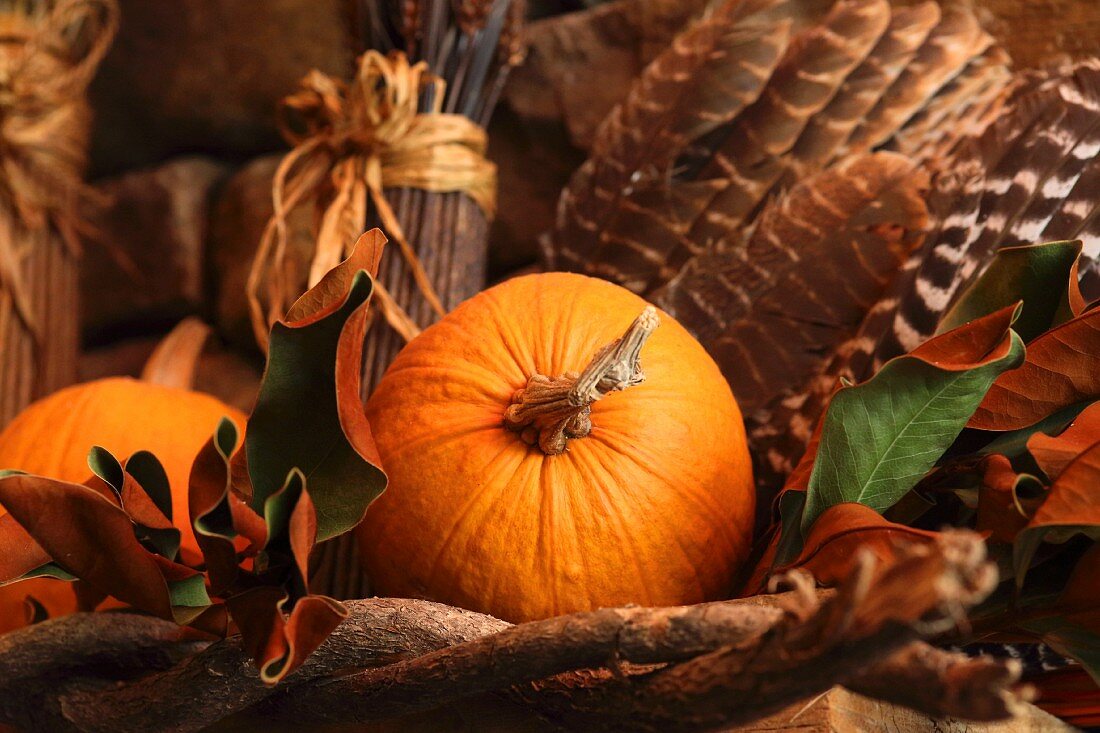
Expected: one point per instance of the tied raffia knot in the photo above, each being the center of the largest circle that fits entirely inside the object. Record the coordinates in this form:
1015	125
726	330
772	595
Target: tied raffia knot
383	129
48	55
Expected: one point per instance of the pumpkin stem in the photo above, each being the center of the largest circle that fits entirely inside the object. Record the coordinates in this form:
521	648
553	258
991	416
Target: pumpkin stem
551	410
176	358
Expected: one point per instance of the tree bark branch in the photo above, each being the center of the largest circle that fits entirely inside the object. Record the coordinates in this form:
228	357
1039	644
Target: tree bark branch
683	668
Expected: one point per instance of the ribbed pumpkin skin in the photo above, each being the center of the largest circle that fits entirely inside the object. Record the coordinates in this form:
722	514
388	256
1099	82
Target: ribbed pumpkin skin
653	507
52	438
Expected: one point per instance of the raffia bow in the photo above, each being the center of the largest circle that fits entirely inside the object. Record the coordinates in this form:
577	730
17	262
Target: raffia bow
351	141
48	56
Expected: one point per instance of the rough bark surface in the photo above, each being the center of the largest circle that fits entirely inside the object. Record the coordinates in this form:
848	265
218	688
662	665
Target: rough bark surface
685	668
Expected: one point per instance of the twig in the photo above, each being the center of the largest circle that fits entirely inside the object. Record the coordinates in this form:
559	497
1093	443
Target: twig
702	666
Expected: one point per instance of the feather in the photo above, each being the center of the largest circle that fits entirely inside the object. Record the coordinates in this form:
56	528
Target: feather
1029	154
707	76
1033	176
736	111
961	109
952	44
831	127
758	143
771	310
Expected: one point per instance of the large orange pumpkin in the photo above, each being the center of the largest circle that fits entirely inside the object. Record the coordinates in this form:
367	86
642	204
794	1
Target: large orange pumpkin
52	438
653	505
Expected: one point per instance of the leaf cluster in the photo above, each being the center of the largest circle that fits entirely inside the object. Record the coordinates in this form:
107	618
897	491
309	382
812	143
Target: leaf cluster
993	424
305	471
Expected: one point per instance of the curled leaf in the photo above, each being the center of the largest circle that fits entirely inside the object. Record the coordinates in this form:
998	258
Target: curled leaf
1072	507
835	540
91	537
1060	371
1004	503
1054	452
308	414
880	437
1042	276
280	643
219	516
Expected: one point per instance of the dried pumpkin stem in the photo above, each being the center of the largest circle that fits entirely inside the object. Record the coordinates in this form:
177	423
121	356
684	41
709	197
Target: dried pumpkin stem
549	411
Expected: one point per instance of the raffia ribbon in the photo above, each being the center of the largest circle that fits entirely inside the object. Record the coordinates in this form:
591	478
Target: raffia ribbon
351	141
48	57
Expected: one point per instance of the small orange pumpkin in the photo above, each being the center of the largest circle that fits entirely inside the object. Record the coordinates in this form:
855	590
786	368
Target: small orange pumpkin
513	493
52	437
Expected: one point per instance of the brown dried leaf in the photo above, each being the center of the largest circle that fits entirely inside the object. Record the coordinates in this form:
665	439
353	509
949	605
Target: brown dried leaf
842	532
1001	511
1073	499
1054	453
280	643
92	538
1060	370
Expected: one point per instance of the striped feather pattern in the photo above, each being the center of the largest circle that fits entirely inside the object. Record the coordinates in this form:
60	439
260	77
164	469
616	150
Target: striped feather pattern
830	128
1033	176
721	188
709	74
963	108
737	110
771	310
956	40
758	143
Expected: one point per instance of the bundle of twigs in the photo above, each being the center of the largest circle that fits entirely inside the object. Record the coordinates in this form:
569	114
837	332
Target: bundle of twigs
693	668
400	146
49	51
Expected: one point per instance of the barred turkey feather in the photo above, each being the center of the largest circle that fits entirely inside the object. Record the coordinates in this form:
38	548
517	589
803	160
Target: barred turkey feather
659	190
1027	159
963	107
709	74
830	128
956	40
1033	176
734	209
780	431
758	144
770	309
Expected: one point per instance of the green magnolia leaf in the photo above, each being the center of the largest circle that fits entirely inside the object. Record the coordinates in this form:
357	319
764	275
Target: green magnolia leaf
151	476
151	525
1070	639
1043	276
880	437
308	415
791	506
188	597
